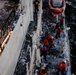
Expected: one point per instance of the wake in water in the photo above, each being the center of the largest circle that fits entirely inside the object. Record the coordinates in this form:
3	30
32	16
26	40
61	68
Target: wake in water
73	4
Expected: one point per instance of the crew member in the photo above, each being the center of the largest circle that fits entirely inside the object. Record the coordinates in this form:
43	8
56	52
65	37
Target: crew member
58	31
61	21
43	71
62	68
36	4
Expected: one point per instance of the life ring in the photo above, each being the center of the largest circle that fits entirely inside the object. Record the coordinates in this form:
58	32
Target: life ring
56	11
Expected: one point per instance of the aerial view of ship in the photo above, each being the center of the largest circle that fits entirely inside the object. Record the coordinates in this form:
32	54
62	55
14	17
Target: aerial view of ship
37	38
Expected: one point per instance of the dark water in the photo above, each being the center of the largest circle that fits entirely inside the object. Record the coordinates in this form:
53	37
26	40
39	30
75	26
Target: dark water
71	22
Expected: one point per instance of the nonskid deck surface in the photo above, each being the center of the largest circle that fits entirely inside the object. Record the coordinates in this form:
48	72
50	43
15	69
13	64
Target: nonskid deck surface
56	53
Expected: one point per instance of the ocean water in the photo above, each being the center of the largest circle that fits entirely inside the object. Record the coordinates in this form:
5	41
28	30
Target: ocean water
71	22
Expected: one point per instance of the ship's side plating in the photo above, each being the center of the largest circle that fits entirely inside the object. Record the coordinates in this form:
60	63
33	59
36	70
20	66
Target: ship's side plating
9	57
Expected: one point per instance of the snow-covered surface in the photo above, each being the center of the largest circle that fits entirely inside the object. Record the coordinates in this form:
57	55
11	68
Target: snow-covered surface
55	54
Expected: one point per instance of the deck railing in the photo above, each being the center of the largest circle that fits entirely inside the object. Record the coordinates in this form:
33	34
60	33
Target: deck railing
35	55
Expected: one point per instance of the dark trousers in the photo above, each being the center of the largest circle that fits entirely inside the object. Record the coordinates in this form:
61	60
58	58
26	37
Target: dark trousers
62	72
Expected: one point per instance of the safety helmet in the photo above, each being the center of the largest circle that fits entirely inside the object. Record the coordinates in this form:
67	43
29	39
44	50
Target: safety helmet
43	68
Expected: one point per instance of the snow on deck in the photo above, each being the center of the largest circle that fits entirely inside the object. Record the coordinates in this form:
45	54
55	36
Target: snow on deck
2	9
57	53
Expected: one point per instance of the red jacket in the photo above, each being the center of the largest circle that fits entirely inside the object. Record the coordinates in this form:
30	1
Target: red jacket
62	66
62	20
46	50
41	49
46	43
59	30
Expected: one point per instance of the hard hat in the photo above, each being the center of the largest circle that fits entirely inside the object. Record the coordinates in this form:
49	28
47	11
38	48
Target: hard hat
43	68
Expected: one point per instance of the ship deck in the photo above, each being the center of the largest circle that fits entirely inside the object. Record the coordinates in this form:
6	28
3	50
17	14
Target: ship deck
60	51
5	10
